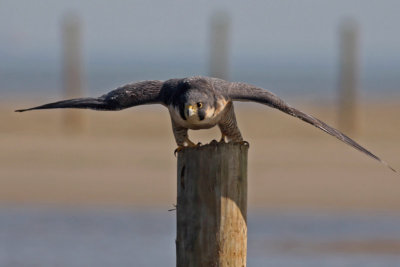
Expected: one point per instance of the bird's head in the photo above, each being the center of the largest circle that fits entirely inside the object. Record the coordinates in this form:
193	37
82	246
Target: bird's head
197	103
198	106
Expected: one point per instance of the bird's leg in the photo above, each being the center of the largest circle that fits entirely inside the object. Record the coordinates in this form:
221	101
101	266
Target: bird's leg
228	126
181	138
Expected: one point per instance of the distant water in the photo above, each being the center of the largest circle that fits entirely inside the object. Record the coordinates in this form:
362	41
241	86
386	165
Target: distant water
121	237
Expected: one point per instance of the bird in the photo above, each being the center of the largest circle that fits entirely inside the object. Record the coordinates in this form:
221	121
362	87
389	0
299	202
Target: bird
198	102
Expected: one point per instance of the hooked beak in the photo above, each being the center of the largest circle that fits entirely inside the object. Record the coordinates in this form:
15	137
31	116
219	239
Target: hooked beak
190	111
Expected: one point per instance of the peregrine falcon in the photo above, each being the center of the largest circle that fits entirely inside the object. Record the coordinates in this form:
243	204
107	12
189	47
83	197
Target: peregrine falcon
197	103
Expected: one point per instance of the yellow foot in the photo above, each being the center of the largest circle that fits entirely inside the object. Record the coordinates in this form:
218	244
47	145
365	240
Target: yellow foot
222	140
191	144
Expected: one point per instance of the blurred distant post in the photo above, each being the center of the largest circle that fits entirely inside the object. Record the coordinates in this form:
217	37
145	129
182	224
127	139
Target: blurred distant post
72	68
348	75
219	45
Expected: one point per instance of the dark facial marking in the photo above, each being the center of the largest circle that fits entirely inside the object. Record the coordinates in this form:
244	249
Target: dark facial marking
182	111
201	113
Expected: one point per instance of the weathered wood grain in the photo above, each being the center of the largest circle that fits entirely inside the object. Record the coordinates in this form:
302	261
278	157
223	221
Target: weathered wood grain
212	205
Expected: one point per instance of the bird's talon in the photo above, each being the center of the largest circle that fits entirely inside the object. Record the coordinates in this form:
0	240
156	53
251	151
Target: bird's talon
178	149
214	142
245	143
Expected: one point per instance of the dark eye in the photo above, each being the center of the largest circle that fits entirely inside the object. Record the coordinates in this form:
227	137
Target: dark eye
199	105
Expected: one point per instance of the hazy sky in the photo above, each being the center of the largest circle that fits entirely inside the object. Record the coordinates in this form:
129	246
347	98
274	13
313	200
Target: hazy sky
171	35
276	29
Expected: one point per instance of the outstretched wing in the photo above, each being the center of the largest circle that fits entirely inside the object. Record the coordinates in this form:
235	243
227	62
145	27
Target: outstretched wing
140	93
247	92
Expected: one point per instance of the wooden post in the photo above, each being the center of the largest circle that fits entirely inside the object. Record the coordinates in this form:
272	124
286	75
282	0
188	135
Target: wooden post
219	46
348	76
212	205
72	69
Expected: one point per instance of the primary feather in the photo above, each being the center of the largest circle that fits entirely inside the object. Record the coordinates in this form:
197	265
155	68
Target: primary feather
248	92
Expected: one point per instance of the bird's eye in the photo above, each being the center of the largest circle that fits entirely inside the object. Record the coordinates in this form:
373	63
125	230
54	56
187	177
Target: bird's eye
199	105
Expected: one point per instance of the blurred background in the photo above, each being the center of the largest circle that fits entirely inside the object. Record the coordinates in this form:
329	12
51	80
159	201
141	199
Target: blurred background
87	188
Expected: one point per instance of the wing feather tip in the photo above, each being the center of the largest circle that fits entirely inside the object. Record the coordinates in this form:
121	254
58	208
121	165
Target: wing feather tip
25	109
390	167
